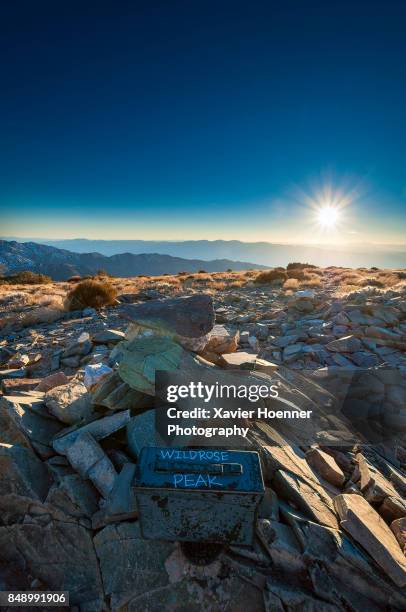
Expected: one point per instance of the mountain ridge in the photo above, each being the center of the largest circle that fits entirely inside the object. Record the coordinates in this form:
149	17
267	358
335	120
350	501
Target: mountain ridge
259	253
60	264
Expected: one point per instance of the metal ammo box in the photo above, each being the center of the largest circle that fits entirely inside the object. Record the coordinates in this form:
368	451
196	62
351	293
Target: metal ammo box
198	495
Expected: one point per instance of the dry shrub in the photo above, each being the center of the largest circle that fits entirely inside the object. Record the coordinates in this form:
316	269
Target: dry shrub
291	283
91	293
295	273
278	275
26	278
295	265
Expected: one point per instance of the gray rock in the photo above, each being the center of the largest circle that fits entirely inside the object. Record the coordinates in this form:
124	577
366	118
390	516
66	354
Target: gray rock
348	344
99	429
121	503
70	403
88	458
108	336
82	346
22	473
141	432
57	553
187	316
130	566
37	429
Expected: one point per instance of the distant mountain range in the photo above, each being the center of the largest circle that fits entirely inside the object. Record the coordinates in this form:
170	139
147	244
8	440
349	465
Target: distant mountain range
60	264
259	253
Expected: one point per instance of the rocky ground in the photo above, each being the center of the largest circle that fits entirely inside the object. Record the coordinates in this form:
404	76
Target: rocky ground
77	407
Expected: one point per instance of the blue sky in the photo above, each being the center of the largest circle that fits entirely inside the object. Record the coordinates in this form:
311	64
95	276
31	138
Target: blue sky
203	119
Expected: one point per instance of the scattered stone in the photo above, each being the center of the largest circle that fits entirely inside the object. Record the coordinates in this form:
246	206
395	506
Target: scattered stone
94	373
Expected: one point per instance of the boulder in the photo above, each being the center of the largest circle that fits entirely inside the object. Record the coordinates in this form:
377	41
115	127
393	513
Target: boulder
191	316
70	403
365	525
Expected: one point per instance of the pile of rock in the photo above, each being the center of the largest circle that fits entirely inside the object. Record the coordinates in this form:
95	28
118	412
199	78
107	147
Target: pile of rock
331	531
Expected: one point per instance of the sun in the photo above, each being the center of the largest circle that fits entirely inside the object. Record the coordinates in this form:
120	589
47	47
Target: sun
328	216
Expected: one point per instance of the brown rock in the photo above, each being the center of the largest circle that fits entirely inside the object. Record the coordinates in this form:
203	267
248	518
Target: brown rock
11	385
374	486
221	340
326	466
392	508
53	380
399	529
370	530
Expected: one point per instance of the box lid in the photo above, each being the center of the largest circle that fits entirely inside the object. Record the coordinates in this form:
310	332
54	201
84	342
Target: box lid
202	469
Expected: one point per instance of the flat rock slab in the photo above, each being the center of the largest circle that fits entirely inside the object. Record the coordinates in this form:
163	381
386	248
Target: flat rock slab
365	525
142	357
11	385
101	428
326	466
191	316
130	565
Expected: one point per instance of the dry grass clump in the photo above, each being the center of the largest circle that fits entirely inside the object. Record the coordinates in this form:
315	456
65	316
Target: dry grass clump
291	283
91	293
25	278
275	276
311	280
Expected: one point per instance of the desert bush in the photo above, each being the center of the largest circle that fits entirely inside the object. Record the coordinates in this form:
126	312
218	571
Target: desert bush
102	272
91	293
372	282
26	278
401	274
291	283
202	272
74	279
295	273
294	265
271	276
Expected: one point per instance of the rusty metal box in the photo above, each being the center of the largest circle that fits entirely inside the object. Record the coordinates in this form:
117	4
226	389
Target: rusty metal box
198	495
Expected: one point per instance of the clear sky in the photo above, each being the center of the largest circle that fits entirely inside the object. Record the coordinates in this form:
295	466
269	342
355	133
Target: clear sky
203	119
